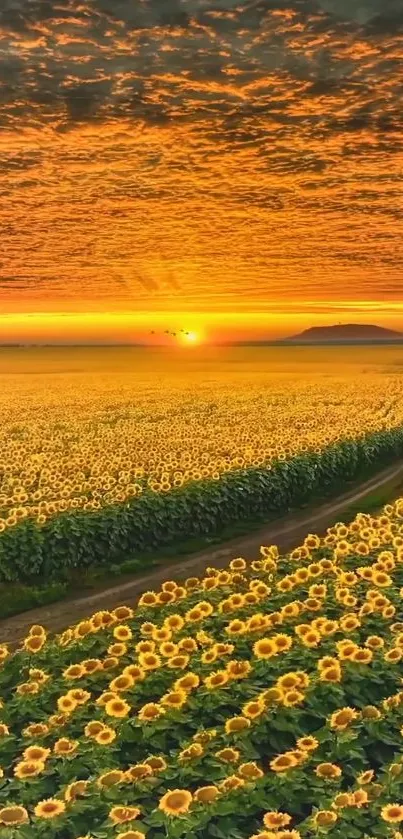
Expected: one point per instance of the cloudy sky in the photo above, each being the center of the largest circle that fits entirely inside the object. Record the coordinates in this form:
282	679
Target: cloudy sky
200	162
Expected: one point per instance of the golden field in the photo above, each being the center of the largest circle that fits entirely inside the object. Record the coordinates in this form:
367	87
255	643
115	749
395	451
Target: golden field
262	701
82	428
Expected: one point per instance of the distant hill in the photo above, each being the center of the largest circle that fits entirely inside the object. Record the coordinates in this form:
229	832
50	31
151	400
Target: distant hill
345	333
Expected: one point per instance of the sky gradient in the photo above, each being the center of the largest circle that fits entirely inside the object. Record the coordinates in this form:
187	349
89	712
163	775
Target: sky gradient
234	168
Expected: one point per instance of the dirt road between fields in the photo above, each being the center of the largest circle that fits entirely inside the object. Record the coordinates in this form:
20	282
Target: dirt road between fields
286	533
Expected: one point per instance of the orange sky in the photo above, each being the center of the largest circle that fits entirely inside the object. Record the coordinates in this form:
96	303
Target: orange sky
231	168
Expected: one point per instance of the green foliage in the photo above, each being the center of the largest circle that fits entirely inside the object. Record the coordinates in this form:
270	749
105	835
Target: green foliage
114	535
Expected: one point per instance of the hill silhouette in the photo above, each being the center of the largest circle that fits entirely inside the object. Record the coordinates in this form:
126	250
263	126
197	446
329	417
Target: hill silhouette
347	332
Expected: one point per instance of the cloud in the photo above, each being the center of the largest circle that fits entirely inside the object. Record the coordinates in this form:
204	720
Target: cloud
200	153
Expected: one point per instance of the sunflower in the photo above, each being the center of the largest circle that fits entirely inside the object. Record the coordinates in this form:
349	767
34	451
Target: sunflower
93	727
149	598
64	746
250	771
236	724
206	795
324	818
149	661
117	708
162	634
122	613
328	770
135	671
359	798
228	755
392	813
342	799
178	662
311	638
187	644
271	696
38	675
205	737
36	753
174	622
237	669
116	650
381	579
362	656
105	697
174	699
13	815
138	772
76	789
147	628
150	712
331	674
264	648
209	656
110	663
121	814
346	651
192	752
66	704
238	564
28	768
283	763
34	643
288	681
307	743
194	615
216	680
341	719
167	649
105	737
121	683
175	802
253	709
129	834
292	698
75	671
374	642
290	610
111	778
187	683
156	763
49	808
282	642
327	661
393	655
57	720
285	585
274	820
37	729
165	597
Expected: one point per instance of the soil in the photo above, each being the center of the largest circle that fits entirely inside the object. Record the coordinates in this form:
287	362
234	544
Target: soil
286	534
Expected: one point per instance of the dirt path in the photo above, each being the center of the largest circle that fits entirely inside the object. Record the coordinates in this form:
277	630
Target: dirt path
287	533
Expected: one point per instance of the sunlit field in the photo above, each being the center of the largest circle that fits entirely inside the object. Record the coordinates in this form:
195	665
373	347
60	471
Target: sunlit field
84	428
261	701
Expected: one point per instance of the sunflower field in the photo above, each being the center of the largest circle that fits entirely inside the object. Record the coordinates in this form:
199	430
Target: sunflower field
99	465
262	701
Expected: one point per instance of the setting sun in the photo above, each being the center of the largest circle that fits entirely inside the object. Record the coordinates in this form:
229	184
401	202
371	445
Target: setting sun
191	338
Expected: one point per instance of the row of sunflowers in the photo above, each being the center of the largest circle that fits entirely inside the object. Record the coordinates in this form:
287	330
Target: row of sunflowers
262	701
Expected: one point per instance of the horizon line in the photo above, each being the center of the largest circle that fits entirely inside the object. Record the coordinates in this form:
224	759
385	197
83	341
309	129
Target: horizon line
272	342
